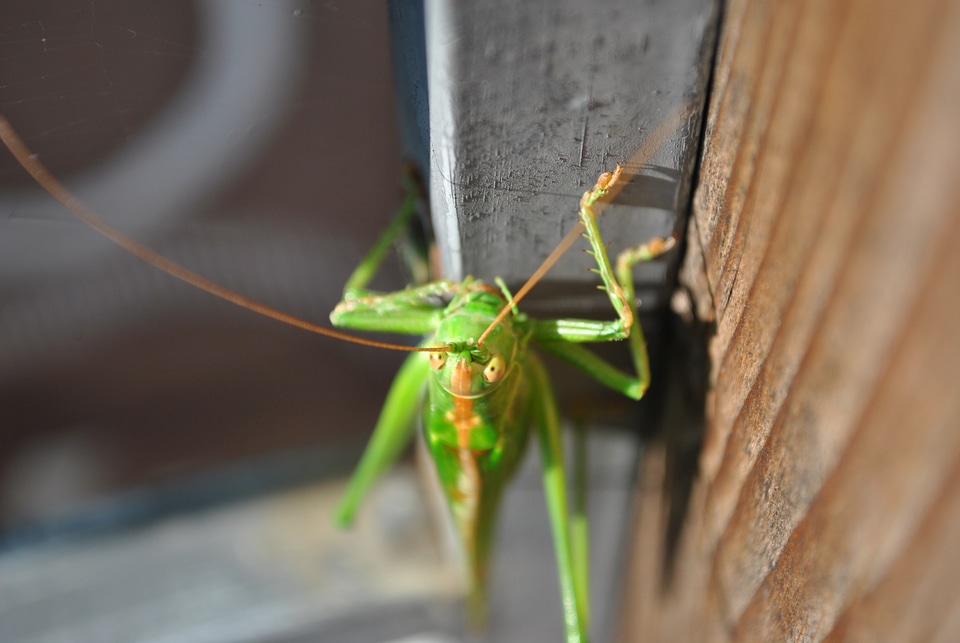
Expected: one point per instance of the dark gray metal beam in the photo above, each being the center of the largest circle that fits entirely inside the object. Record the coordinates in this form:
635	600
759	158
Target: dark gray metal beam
530	102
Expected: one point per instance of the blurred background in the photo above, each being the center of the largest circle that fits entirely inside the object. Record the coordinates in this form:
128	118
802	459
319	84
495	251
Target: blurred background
254	144
157	445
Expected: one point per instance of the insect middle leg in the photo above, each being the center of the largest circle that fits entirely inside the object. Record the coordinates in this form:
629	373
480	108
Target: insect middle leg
394	430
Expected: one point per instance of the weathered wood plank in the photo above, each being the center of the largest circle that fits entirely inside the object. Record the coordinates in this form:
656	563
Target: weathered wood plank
848	350
827	222
898	459
783	232
917	599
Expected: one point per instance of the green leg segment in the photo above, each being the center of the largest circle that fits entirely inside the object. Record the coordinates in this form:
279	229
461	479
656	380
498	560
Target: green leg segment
413	311
597	367
573	591
394	429
579	527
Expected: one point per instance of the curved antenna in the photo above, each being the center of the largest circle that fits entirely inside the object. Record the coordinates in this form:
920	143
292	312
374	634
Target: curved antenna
56	189
621	178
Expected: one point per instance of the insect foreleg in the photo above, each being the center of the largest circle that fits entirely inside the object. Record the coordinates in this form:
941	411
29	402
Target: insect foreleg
412	311
626	260
619	286
558	336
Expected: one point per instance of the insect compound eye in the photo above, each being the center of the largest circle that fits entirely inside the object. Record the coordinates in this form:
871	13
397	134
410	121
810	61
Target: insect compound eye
437	360
494	369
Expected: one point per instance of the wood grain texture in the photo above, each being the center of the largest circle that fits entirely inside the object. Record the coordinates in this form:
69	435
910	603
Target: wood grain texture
826	222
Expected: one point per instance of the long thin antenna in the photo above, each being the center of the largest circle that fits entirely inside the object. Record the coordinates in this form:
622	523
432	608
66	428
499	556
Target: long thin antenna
48	182
625	174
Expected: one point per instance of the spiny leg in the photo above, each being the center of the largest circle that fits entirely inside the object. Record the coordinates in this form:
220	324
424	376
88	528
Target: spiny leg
621	293
561	336
626	260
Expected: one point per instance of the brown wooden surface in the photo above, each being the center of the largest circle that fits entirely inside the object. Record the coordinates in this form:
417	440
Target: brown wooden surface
827	225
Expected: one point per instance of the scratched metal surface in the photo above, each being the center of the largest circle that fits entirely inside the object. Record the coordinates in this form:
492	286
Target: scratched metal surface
530	102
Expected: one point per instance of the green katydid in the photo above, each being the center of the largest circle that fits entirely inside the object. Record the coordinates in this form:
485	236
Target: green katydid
485	389
484	386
